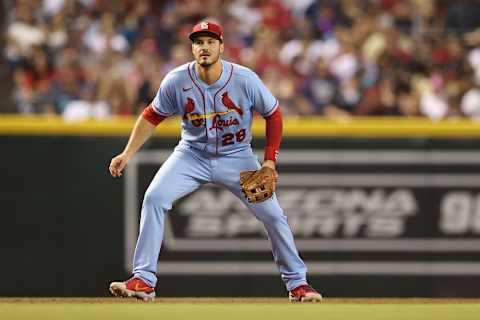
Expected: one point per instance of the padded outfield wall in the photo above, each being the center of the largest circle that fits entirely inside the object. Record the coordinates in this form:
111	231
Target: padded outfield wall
379	207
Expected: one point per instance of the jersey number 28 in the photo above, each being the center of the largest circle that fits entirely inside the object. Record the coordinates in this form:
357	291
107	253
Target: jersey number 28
228	138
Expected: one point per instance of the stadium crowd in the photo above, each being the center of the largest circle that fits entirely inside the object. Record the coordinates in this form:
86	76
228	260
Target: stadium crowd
97	58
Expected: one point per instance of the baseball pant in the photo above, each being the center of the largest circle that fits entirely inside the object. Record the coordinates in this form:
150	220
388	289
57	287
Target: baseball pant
185	171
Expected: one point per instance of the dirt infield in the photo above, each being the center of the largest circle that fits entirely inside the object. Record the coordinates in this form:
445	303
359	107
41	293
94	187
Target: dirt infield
194	300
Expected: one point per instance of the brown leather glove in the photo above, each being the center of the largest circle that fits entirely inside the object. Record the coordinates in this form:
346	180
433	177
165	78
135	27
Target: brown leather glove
258	185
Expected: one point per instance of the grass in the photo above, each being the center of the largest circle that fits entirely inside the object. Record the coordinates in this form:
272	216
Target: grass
237	310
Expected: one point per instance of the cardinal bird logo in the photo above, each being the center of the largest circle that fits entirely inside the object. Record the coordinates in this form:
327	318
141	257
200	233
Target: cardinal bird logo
227	102
189	106
195	118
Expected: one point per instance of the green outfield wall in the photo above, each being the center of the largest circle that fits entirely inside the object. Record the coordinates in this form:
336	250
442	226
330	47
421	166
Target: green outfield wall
379	207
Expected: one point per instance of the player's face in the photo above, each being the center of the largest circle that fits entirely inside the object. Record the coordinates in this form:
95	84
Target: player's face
206	50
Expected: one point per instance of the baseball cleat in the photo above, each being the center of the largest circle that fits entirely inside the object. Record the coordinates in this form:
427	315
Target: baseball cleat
133	287
304	293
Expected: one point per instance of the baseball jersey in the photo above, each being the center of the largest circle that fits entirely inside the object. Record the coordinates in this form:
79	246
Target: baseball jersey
216	118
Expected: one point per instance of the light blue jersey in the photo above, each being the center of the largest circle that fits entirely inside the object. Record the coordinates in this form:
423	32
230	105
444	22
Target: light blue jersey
215	148
217	118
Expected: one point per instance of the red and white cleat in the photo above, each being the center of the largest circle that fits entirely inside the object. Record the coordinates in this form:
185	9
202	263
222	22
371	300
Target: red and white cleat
304	293
133	287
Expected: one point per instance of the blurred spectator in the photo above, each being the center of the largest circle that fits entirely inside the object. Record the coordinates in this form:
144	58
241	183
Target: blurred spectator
433	101
470	104
23	34
379	100
86	107
338	58
101	36
322	90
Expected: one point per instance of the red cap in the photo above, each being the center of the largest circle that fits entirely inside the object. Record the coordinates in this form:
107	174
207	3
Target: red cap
207	27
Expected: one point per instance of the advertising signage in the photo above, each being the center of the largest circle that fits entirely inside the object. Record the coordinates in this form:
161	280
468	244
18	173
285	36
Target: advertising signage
393	212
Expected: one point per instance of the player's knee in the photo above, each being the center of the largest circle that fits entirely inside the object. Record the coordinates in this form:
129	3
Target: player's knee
156	199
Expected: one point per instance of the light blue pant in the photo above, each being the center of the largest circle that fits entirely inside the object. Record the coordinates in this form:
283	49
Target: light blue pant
185	171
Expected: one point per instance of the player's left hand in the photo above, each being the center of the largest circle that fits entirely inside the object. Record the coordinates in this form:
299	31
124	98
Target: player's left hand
271	164
259	185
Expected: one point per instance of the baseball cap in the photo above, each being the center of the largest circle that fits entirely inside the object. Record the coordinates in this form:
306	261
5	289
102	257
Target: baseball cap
207	27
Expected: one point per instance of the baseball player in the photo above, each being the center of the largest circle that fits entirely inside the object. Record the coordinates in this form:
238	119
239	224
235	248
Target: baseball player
216	100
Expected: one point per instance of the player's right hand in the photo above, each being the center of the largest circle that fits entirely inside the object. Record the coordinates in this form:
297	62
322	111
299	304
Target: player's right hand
117	165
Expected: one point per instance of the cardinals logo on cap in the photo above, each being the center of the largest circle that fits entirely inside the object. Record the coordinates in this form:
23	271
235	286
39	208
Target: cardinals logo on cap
209	27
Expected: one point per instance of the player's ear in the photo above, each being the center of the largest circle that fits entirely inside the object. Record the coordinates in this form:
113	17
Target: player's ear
222	47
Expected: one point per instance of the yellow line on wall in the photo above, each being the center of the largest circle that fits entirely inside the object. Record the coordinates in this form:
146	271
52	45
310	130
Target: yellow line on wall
293	127
52	125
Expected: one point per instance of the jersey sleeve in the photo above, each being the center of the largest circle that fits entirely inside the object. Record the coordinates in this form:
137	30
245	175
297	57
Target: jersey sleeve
262	99
164	101
152	116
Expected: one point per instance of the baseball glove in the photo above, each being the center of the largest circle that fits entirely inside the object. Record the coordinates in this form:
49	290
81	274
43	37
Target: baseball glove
258	185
